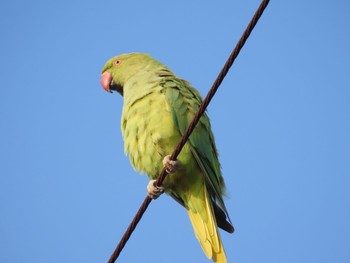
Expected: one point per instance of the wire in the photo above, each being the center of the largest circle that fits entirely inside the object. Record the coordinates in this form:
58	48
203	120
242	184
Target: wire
191	127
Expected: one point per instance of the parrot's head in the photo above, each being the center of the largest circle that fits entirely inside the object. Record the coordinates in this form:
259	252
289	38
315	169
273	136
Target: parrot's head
119	69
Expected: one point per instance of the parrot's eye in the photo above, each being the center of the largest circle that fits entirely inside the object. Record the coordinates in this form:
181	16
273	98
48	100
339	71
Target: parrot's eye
117	62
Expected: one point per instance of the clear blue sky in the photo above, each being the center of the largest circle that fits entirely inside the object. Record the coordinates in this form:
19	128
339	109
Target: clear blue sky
281	120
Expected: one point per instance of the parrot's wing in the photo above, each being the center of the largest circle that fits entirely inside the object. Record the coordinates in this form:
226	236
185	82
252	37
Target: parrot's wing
185	101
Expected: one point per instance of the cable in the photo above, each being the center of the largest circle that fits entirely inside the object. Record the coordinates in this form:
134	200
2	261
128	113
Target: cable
191	127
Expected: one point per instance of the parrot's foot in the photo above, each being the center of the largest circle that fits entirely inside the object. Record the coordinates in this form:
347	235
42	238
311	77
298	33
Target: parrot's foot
170	165
154	191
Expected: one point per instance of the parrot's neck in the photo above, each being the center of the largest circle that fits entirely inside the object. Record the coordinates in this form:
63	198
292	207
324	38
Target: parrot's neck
144	82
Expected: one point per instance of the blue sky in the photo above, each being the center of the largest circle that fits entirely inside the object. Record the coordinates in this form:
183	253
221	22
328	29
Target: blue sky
281	121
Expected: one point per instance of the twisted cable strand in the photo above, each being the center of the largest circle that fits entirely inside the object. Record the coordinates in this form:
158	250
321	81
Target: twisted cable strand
192	125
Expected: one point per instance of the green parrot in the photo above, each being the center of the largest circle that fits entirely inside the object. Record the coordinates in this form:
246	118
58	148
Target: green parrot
158	107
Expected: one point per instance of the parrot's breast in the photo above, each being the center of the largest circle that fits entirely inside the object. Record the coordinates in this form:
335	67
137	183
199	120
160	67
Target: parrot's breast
149	132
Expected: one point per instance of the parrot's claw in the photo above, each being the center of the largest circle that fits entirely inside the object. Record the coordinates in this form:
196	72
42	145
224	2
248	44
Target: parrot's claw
170	165
154	191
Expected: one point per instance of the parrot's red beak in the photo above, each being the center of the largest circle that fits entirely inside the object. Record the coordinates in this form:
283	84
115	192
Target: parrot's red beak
106	79
109	84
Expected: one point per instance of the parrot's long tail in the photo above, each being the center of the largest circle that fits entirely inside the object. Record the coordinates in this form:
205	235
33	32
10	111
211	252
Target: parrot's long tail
202	217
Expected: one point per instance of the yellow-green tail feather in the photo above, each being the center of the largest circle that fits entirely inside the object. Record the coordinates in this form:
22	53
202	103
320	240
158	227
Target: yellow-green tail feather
204	224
